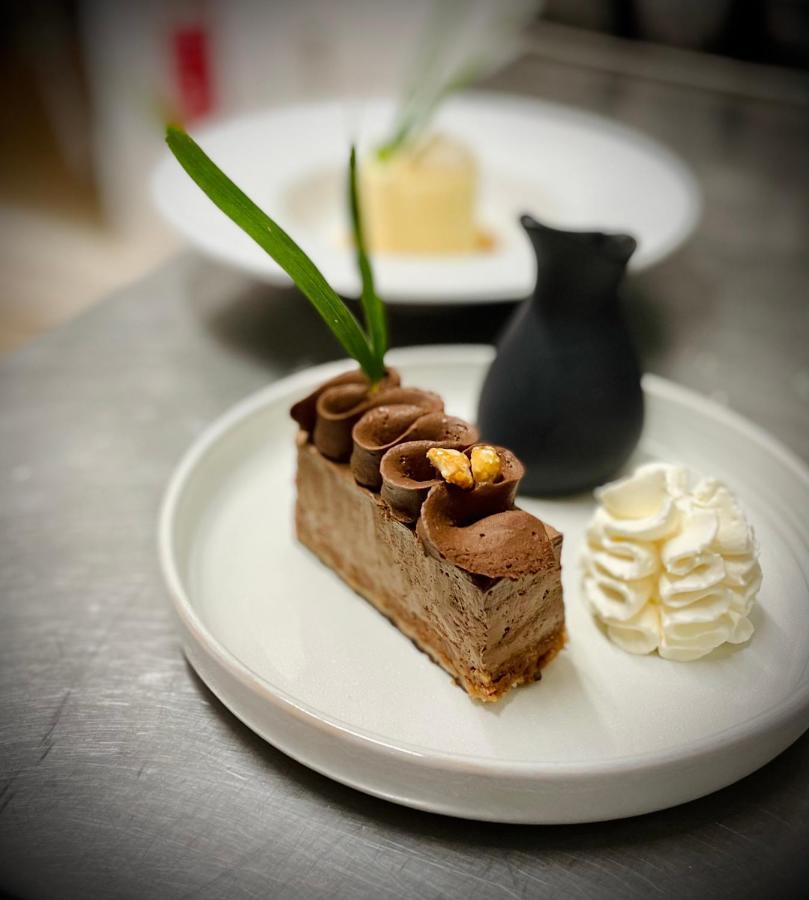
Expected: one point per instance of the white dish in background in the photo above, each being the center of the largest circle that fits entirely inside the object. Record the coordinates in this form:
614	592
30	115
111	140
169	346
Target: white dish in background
315	670
564	166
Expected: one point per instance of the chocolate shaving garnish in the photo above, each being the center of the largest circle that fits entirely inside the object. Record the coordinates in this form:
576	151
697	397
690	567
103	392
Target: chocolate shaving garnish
388	426
304	412
340	408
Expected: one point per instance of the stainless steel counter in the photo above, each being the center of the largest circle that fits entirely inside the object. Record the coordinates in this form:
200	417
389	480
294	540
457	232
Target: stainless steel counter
120	774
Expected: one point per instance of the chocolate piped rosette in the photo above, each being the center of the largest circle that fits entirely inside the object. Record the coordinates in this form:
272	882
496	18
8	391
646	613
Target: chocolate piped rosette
476	525
671	564
419	516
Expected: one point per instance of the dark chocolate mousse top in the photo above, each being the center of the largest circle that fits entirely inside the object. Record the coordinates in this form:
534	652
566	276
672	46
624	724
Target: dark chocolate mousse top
385	434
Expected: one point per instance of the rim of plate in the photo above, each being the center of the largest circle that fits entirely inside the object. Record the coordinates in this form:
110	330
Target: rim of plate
795	703
503	101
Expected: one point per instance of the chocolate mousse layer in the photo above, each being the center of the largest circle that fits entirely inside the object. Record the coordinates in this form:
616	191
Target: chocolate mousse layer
471	579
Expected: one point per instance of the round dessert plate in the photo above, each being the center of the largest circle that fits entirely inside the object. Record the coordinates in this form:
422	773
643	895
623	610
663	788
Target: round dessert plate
564	166
316	671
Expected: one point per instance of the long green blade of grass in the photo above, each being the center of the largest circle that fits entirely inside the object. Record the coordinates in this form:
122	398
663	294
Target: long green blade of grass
373	309
280	246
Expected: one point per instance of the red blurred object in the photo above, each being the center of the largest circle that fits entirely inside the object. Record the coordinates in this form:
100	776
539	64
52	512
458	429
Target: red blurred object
192	66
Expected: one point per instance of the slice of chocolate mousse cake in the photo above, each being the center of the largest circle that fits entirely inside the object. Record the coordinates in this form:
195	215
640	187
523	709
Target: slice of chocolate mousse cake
406	505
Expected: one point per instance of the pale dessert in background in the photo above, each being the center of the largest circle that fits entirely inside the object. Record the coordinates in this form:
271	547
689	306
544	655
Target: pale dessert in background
671	564
421	198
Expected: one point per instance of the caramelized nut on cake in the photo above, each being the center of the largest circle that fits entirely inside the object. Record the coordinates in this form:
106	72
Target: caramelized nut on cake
485	464
453	465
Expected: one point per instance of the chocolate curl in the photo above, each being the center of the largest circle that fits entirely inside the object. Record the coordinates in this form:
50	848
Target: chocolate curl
407	476
339	409
481	531
304	412
386	426
492	496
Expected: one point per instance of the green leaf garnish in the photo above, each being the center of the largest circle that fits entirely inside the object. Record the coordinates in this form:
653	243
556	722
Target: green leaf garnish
462	41
373	310
427	82
369	350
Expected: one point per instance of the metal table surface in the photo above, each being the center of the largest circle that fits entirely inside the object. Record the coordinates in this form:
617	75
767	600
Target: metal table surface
121	776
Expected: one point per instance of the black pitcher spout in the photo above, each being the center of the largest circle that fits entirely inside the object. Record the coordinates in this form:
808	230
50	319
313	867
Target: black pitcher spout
564	390
577	266
616	248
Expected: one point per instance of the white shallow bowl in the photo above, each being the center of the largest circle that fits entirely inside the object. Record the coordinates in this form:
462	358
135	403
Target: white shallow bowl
562	165
315	670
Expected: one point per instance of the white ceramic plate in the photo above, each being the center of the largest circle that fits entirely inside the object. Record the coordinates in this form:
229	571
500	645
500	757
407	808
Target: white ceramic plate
315	670
564	166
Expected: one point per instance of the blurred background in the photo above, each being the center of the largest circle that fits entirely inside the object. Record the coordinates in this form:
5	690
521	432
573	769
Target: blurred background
87	86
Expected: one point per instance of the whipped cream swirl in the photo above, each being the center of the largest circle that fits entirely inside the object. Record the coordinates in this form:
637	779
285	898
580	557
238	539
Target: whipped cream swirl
671	564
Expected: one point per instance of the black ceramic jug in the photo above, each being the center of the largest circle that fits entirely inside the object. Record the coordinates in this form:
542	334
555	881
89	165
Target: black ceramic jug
564	390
